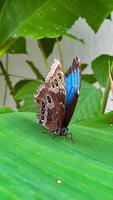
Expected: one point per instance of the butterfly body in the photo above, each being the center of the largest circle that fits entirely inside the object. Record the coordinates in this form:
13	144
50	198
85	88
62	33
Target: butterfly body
58	96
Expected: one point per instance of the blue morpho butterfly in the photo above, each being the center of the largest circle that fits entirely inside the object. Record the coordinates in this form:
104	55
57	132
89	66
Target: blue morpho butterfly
58	96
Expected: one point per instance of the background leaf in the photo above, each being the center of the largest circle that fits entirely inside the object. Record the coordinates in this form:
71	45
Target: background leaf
47	44
5	110
2	4
89	78
47	15
31	161
100	68
26	95
83	66
20	84
109	17
18	47
88	103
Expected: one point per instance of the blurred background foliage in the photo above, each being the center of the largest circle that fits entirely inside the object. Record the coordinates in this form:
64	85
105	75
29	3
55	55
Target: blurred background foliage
50	29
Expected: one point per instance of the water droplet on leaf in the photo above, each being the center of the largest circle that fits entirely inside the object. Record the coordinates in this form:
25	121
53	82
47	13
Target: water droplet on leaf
59	181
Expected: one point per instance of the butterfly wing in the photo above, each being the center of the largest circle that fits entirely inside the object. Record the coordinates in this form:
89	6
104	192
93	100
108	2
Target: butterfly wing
51	98
72	81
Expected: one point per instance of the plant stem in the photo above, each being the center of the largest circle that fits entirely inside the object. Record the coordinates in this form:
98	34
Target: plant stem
5	92
43	54
60	52
9	84
17	76
105	97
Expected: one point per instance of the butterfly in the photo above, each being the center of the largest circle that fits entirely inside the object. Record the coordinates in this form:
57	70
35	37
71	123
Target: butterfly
57	97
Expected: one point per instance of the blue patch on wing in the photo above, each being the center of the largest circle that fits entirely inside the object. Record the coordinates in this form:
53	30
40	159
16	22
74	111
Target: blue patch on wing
72	81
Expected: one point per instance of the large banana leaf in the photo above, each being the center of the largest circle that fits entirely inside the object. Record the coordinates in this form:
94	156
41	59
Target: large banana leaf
35	166
47	18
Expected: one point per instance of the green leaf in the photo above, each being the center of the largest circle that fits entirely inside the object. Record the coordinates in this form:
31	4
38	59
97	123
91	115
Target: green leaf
48	44
105	119
36	19
100	68
109	17
33	165
2	2
4	110
83	66
26	94
35	70
18	47
88	104
89	78
20	84
47	18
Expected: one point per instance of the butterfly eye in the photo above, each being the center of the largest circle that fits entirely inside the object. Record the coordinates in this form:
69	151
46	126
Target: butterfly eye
43	104
48	99
52	84
59	76
56	82
42	111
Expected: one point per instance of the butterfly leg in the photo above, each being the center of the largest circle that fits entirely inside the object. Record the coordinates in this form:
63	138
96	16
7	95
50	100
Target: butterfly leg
71	136
53	135
66	137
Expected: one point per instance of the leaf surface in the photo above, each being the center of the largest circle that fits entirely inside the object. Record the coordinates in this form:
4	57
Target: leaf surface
47	18
100	67
89	101
26	95
32	162
18	47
